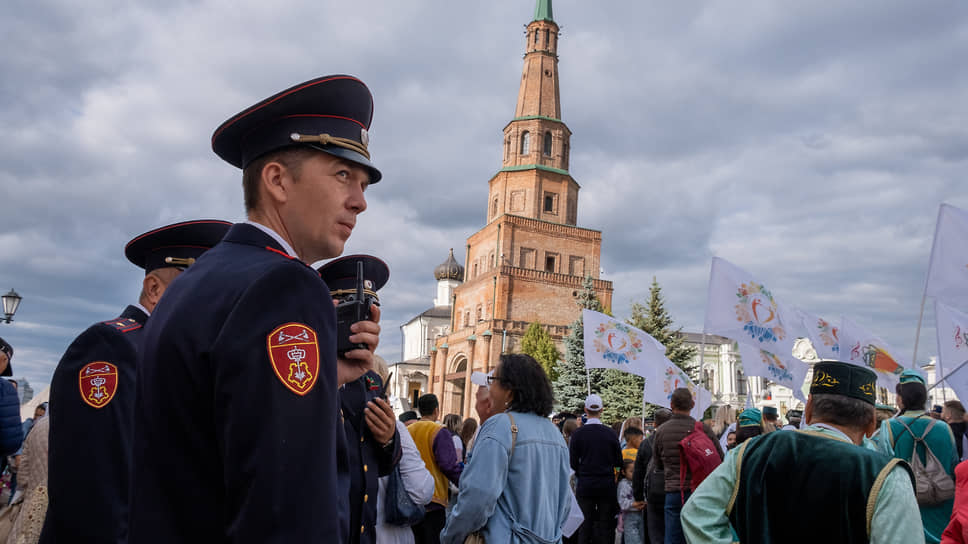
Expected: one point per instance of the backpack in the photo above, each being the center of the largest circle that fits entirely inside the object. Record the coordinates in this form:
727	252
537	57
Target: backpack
932	483
698	455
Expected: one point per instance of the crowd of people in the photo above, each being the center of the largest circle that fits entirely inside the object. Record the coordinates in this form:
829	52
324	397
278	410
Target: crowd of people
239	400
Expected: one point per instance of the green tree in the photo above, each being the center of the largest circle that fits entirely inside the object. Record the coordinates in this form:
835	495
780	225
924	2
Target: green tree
570	384
538	344
655	320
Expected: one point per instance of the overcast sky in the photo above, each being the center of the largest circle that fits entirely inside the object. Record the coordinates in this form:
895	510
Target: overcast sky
806	142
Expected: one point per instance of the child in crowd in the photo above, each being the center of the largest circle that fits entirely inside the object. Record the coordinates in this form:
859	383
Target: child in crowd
631	521
633	438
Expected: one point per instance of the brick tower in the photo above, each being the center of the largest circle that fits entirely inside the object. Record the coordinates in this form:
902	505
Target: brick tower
528	262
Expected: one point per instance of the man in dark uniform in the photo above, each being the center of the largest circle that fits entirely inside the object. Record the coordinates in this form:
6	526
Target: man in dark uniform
93	390
371	433
238	433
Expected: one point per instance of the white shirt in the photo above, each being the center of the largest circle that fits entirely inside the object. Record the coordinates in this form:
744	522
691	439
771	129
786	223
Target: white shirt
275	236
594	420
142	308
418	482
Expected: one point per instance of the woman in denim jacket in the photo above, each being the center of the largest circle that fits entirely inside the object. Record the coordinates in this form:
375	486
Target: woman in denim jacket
514	489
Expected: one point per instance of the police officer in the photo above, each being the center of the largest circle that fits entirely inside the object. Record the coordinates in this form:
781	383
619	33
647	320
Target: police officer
93	391
238	433
368	421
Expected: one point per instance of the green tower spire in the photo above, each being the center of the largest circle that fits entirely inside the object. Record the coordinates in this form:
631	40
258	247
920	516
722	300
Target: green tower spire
542	11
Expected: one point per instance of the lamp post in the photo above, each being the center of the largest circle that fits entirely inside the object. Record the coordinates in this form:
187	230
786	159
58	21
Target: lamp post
11	301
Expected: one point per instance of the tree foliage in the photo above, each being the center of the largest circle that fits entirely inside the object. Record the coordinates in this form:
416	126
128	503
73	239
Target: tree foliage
570	384
538	344
655	320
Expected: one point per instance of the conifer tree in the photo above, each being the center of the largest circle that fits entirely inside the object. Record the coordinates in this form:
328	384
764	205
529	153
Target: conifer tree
655	320
570	385
538	344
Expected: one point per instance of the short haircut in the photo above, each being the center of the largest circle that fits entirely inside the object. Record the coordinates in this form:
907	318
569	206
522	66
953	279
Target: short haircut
290	157
731	433
627	463
407	416
681	399
632	431
913	395
661	416
843	410
427	404
528	383
956	408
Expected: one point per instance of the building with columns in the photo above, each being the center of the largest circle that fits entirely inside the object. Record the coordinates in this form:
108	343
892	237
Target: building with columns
527	263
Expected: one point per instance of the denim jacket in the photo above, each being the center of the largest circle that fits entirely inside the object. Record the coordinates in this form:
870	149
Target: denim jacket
526	500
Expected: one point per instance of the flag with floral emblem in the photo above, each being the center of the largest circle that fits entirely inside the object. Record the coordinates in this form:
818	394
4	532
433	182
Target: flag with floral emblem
952	328
948	267
667	378
786	371
741	308
823	335
861	347
609	343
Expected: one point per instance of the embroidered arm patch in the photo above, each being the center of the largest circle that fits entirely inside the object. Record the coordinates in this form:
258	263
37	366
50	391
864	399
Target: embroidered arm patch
294	354
98	383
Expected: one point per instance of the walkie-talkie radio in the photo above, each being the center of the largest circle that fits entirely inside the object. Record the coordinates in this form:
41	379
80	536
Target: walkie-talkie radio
353	282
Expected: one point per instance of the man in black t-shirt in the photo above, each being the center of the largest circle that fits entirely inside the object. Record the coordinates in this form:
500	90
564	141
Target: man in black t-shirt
595	455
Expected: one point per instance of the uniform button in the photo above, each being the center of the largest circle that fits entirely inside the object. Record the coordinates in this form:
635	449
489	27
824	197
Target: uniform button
366	498
362	528
361	439
365	468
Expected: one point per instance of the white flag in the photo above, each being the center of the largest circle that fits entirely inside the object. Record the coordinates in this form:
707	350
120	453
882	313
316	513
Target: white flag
948	268
822	334
786	371
609	343
952	343
860	347
666	379
741	308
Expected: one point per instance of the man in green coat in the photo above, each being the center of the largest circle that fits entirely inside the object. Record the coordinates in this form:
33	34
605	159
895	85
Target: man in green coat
896	440
812	485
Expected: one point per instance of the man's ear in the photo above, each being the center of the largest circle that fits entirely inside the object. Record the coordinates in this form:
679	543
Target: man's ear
274	182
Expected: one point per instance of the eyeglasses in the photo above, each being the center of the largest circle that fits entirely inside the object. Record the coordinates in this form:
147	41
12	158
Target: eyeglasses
492	379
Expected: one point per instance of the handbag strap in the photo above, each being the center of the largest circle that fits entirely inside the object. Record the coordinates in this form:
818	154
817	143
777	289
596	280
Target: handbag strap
514	434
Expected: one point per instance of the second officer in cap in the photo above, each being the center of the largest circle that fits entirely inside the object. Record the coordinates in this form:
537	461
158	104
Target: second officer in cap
238	432
92	395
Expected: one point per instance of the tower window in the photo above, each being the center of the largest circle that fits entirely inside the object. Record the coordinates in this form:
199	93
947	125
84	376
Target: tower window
551	260
525	142
547	41
494	208
550	203
547	144
535	36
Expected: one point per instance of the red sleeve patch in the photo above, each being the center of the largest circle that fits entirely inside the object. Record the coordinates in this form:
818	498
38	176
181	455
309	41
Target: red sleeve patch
98	383
294	355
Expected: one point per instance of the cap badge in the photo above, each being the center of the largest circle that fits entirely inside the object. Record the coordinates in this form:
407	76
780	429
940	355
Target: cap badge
364	137
98	383
294	354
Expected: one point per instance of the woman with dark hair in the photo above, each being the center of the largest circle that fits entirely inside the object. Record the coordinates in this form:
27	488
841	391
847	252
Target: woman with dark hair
750	424
453	423
514	487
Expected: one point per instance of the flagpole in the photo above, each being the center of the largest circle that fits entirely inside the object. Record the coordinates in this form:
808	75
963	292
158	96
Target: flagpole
934	245
938	382
588	380
702	365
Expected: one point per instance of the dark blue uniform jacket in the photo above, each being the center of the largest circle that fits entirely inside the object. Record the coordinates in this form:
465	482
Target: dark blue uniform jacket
225	448
11	429
367	459
90	434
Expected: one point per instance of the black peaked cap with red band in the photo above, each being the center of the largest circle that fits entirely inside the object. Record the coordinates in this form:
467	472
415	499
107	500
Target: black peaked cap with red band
339	106
178	244
340	274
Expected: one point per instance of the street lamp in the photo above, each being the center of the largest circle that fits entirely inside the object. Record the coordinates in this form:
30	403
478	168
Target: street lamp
11	301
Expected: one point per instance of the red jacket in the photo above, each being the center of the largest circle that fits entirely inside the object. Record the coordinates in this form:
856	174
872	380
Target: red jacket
957	530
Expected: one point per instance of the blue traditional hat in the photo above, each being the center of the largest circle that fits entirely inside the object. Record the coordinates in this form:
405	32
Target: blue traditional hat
836	378
750	417
5	347
770	411
330	113
177	245
912	375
